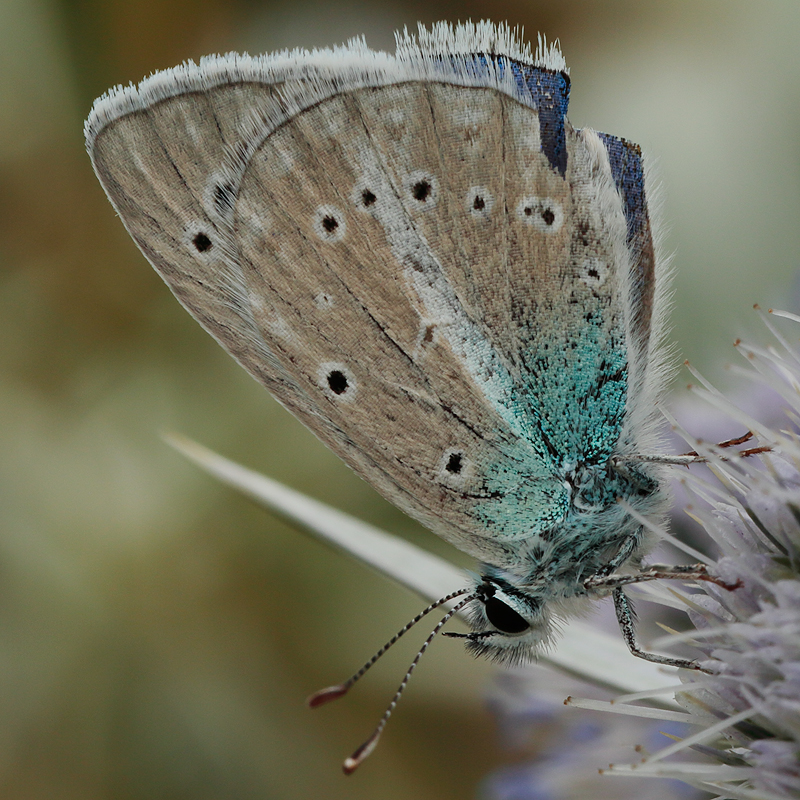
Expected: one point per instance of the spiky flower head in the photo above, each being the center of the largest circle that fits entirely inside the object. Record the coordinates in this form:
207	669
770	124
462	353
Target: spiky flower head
744	712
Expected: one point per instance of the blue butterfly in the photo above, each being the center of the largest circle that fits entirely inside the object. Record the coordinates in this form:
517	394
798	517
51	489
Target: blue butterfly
452	287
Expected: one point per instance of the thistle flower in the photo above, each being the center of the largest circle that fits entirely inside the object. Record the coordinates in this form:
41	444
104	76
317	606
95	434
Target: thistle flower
735	728
745	712
559	749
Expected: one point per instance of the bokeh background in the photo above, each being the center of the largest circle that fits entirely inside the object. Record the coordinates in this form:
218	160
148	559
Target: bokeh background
158	633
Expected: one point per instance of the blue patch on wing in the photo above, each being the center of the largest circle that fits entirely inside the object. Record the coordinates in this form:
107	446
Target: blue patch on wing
549	91
549	94
626	166
519	501
581	385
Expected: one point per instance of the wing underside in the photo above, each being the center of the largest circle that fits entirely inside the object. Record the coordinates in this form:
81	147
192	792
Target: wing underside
408	270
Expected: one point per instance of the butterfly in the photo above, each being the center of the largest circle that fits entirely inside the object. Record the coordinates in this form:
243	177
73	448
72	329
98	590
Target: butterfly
452	287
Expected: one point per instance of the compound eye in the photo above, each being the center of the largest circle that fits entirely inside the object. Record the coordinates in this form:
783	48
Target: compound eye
503	617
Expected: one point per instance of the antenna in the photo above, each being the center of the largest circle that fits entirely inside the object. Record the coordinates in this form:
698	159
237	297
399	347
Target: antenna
351	763
340	689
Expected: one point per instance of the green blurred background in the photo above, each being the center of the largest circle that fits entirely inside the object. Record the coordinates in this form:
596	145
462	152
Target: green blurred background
158	633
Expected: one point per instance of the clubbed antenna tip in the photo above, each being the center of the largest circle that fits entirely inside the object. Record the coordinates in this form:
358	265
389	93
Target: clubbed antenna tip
327	694
351	764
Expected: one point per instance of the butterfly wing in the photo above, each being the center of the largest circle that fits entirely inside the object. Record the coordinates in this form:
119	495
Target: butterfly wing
400	262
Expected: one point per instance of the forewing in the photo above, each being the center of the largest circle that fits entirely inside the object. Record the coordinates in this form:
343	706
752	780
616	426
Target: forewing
432	277
336	302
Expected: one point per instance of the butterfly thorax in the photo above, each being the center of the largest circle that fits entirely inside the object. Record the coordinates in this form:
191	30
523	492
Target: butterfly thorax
597	531
546	577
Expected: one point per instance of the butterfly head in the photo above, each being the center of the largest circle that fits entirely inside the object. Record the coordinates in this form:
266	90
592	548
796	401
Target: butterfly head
509	625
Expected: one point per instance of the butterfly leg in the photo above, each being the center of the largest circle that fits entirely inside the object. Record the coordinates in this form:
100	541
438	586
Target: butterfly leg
625	552
688	572
753	451
627	618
